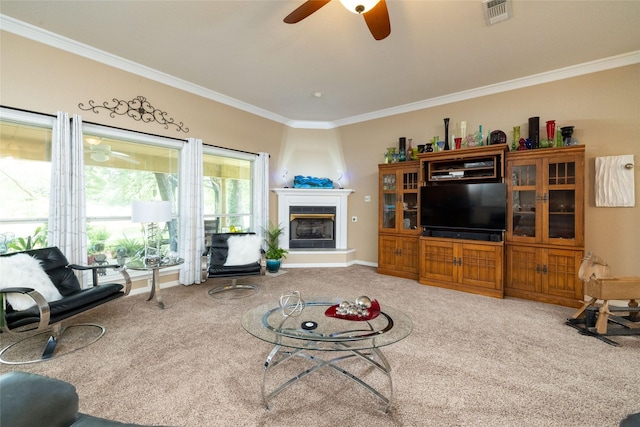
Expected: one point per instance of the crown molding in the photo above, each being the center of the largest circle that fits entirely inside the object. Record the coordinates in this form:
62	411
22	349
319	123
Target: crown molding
55	40
604	64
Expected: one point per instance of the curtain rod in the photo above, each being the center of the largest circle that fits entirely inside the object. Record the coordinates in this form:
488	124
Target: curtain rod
170	137
93	123
231	149
129	130
136	131
27	111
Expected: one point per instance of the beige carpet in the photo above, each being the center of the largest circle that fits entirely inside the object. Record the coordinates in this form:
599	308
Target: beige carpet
470	361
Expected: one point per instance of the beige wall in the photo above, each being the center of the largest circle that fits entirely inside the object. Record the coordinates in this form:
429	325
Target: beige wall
39	78
604	107
310	152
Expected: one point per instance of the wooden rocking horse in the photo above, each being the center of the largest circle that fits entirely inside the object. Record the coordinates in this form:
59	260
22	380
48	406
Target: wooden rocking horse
600	285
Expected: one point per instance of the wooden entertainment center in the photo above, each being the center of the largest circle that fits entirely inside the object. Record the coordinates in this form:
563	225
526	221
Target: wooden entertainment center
536	257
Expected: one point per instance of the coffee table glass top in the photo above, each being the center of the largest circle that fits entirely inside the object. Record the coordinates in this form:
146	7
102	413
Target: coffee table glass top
313	330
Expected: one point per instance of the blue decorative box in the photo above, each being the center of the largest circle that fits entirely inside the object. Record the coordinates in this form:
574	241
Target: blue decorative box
300	181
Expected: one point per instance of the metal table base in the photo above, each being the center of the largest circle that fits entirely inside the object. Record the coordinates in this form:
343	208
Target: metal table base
281	354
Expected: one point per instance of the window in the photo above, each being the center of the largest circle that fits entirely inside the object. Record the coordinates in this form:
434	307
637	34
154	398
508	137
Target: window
120	167
227	183
25	175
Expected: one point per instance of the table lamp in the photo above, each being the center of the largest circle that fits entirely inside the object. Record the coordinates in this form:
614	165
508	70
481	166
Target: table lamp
151	213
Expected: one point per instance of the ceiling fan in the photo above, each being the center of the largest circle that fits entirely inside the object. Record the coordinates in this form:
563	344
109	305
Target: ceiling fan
375	14
101	152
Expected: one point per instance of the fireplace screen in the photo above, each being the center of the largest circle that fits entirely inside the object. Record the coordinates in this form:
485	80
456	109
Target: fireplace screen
312	227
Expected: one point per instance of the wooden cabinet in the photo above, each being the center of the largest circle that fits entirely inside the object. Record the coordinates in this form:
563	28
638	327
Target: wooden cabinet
455	262
544	240
398	256
545	224
398	219
544	274
464	265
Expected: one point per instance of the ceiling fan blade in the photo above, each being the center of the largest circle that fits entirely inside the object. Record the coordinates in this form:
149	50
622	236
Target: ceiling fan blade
305	10
377	20
118	153
125	157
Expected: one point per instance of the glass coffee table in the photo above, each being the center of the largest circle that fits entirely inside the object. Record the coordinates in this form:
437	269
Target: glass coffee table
326	341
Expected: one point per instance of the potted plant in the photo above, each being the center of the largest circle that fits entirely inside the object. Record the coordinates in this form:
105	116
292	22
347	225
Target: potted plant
38	240
274	253
127	248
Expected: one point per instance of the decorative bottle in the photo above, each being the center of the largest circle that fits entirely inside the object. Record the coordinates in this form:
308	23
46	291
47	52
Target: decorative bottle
534	131
446	133
402	149
402	143
567	134
516	138
551	131
409	150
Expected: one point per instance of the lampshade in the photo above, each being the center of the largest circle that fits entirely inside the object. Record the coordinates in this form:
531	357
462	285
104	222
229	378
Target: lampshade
152	211
359	6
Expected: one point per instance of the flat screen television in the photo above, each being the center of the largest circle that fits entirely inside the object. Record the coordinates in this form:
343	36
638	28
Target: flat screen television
477	206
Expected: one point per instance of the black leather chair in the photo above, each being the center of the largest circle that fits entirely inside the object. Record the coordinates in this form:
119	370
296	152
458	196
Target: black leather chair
631	420
218	254
48	316
28	400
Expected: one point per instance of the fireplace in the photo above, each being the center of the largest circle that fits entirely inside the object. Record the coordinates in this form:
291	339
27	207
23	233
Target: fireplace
312	227
318	213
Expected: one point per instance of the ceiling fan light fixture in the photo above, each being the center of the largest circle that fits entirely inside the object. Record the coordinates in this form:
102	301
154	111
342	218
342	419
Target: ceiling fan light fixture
99	156
374	12
359	6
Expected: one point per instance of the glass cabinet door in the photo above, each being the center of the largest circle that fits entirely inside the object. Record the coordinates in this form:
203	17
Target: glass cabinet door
399	187
389	200
525	211
560	197
546	200
409	201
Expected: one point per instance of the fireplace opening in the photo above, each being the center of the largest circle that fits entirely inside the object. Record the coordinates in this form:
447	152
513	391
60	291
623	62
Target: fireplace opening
312	227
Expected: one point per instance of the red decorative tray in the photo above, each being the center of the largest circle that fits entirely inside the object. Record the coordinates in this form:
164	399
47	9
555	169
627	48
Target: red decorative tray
374	311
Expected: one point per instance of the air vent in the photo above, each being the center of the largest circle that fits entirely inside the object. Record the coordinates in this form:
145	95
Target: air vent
496	10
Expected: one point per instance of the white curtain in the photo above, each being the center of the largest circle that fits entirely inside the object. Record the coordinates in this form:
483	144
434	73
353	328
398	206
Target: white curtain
67	207
191	213
261	192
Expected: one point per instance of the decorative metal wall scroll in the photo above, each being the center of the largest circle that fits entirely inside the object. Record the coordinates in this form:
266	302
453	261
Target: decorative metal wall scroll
138	109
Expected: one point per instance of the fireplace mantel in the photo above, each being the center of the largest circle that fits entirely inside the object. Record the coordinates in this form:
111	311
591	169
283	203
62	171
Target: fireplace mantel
314	197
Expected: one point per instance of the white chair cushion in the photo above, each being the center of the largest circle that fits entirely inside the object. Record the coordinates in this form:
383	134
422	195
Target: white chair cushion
243	249
24	271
